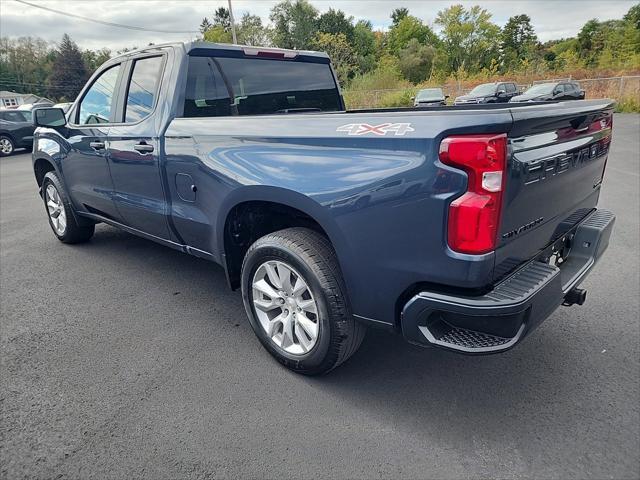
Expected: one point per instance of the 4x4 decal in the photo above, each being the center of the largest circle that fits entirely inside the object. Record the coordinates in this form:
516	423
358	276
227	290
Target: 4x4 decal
380	130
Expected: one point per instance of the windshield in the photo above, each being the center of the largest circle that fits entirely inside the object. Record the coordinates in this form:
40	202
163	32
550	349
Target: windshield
541	89
484	89
430	94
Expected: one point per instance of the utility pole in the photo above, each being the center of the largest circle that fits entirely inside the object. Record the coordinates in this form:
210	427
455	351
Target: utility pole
233	24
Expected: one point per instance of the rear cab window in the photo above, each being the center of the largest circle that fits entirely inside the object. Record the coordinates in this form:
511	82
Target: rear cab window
223	85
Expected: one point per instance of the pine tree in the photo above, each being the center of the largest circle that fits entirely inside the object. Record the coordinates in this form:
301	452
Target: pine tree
68	74
205	25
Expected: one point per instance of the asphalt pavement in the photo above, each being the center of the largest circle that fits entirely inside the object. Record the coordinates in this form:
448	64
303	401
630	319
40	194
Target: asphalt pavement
121	358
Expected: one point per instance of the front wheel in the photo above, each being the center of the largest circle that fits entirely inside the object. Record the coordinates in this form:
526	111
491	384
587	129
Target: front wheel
296	301
61	218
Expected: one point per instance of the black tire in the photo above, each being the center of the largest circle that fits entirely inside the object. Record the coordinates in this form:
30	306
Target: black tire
7	146
311	254
73	233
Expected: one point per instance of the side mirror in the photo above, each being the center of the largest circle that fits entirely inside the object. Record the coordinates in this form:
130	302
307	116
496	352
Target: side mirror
446	96
413	98
49	117
502	93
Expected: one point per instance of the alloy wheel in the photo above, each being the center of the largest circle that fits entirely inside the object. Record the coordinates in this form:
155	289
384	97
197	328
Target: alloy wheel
6	146
56	210
285	307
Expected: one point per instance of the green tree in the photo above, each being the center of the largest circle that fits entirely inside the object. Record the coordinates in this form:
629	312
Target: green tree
609	44
406	29
469	38
222	18
218	34
68	73
94	58
633	16
335	21
518	41
398	14
343	58
205	25
416	61
364	44
252	32
589	41
295	24
25	64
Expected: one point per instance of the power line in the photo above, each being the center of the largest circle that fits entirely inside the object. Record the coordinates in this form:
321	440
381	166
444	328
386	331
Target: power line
102	22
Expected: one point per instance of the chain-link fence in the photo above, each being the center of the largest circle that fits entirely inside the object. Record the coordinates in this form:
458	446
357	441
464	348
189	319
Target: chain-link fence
619	88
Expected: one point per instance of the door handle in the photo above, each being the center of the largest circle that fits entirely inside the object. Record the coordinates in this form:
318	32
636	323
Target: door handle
143	147
97	145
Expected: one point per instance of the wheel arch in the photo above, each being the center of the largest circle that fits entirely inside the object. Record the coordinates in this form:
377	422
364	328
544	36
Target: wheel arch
42	166
261	210
4	133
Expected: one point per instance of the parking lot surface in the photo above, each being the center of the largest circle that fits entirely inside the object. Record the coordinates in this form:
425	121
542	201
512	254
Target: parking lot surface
124	359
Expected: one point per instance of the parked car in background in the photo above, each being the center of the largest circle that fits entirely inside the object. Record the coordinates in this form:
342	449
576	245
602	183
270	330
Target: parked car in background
64	106
541	92
430	97
16	131
497	92
29	107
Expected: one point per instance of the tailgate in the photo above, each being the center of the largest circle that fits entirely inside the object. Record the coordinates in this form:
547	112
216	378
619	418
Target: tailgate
558	154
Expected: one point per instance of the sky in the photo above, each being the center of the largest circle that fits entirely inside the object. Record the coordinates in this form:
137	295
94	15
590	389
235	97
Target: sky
551	19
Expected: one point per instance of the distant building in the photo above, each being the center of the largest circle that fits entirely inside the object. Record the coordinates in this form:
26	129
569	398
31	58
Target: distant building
13	99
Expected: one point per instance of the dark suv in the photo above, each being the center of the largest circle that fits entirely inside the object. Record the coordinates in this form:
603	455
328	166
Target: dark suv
551	91
16	131
497	92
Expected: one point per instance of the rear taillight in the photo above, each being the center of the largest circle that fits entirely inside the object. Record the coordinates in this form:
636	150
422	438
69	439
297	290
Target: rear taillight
474	218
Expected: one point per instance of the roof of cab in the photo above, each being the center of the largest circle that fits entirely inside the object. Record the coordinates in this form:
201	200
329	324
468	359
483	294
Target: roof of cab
199	45
228	46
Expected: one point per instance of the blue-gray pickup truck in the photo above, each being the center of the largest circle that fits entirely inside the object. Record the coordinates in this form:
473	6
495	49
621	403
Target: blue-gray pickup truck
458	227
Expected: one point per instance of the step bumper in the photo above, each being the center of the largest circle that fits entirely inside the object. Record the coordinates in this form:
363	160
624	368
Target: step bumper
501	318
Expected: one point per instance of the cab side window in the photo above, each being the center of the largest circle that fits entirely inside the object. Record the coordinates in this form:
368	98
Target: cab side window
98	103
511	88
143	88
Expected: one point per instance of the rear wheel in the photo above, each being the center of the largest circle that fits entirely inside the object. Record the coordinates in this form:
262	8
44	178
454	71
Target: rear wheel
61	218
295	298
6	146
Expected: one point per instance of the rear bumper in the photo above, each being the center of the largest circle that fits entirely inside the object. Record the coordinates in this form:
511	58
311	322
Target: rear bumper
498	320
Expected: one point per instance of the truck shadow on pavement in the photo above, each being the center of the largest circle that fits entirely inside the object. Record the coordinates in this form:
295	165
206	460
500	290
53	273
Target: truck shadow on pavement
406	384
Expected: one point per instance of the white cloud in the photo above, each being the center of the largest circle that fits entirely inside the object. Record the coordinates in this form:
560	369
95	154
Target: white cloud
551	19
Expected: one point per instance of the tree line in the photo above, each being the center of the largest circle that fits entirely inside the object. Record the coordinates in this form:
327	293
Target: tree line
461	43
